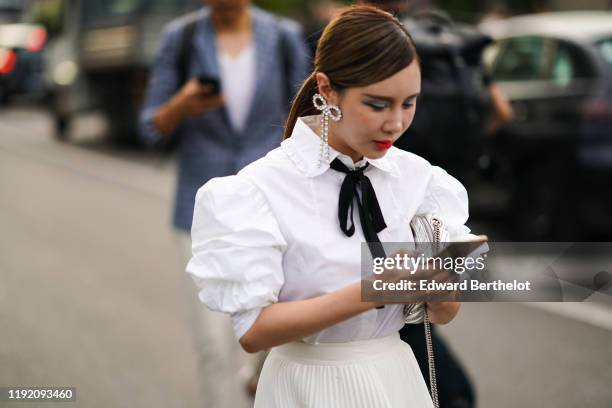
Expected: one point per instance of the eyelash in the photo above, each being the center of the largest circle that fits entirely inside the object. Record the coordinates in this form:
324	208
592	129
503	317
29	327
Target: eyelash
379	108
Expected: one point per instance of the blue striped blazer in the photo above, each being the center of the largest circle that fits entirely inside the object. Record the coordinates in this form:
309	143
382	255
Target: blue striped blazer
209	146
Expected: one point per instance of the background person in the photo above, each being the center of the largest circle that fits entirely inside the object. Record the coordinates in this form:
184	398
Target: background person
257	58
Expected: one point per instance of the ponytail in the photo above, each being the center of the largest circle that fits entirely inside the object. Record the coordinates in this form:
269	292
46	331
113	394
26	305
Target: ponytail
302	104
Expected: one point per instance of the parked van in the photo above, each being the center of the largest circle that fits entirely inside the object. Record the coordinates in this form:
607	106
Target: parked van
98	57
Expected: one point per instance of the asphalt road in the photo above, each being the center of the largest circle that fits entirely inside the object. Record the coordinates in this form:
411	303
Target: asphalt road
90	290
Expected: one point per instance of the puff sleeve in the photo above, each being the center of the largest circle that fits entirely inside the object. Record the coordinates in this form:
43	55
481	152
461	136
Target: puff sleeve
446	197
237	250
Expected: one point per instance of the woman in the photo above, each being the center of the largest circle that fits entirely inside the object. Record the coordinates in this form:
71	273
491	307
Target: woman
275	246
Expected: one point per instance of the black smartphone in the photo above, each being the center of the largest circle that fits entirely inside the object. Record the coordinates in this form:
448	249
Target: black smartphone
211	81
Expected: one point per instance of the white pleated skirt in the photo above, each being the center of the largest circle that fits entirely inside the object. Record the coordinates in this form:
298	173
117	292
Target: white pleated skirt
377	373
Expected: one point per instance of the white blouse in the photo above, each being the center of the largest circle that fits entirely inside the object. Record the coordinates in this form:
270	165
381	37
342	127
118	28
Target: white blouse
271	233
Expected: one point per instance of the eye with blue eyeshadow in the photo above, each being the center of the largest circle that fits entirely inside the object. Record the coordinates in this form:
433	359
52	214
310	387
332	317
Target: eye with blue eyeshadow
380	106
377	106
410	102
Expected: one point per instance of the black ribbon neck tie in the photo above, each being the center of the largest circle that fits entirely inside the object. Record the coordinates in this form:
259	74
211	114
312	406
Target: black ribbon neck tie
370	215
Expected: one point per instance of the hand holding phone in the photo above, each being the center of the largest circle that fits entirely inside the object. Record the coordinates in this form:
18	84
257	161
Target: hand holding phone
199	96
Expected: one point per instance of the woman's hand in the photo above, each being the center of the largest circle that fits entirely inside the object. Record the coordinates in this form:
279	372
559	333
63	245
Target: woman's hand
196	99
442	312
401	284
193	99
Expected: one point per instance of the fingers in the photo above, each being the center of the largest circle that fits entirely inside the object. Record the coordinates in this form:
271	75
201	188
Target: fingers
446	281
422	285
193	88
208	89
212	101
197	99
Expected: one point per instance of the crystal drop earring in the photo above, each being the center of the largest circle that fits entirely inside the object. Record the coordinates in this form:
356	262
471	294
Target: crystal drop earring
327	110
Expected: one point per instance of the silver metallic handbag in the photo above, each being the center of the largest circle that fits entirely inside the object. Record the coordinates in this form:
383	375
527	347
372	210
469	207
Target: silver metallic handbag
426	228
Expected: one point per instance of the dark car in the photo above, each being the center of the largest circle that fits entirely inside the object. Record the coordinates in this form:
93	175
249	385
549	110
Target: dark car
556	69
98	56
21	45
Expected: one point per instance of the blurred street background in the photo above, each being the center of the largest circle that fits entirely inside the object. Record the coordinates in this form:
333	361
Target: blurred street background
90	275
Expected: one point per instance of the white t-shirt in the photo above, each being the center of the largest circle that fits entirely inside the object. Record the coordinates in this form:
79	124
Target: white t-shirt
238	84
271	233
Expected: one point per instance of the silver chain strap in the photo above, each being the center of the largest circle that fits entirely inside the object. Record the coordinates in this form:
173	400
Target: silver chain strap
433	385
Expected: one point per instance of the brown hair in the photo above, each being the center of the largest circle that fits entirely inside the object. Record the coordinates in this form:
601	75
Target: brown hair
361	46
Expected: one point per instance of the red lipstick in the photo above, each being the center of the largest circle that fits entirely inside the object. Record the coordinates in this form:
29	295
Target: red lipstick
384	144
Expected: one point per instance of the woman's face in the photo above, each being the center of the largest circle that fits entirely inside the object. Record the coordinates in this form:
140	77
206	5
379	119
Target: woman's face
374	116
